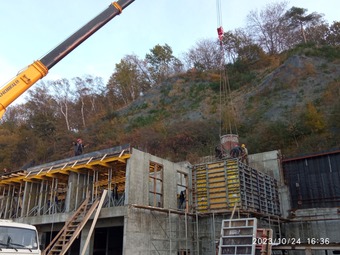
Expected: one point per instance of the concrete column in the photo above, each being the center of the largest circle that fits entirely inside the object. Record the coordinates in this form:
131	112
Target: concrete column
76	191
25	199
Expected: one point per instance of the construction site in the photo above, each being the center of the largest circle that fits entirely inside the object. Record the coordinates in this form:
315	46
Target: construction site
125	201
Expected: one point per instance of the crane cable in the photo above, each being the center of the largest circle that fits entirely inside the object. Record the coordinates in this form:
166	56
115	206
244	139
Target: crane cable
225	91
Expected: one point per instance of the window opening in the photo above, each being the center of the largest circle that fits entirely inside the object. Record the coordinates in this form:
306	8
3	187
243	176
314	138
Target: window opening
155	185
182	190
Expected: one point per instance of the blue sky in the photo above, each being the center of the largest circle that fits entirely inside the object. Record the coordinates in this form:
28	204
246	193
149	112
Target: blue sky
30	29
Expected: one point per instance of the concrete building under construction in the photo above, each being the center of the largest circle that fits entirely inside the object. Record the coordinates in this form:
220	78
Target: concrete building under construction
148	205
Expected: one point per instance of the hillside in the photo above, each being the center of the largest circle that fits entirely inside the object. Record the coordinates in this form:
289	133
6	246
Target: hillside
288	102
293	107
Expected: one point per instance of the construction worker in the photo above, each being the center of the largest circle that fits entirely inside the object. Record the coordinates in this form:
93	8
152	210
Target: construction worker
78	147
244	158
236	152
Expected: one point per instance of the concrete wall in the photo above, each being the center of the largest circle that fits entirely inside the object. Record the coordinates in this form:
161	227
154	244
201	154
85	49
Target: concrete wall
147	231
315	223
269	162
137	179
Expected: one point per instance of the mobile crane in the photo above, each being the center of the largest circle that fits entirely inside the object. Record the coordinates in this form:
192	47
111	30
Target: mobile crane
39	68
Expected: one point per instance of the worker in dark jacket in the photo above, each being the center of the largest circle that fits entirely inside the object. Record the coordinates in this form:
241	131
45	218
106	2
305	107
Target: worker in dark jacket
78	147
236	152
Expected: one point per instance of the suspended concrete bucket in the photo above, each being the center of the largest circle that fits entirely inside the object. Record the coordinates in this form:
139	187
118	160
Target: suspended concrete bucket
229	141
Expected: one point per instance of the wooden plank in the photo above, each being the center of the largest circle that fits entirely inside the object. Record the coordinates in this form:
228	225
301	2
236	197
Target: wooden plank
94	221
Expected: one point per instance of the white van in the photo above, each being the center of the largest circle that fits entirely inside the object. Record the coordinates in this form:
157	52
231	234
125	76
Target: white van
18	238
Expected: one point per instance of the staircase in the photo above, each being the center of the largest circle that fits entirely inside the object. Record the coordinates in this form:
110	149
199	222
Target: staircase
72	228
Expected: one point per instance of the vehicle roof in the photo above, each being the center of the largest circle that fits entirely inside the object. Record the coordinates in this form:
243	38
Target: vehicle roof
9	223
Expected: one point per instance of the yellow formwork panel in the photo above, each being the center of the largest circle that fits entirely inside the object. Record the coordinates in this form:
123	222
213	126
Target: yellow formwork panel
217	183
216	171
233	185
234	200
233	178
231	163
201	175
201	184
216	175
203	178
219	191
217	195
232	175
219	206
218	200
215	165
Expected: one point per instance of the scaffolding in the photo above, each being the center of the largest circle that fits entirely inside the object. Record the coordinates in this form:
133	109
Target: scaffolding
61	186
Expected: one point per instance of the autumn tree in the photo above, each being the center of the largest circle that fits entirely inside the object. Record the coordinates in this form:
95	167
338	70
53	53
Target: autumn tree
235	44
267	28
128	81
317	34
40	111
205	55
63	96
86	91
161	63
314	120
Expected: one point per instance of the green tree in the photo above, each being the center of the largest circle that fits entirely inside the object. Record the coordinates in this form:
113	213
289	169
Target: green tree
40	111
297	18
161	63
333	35
313	119
128	81
235	43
